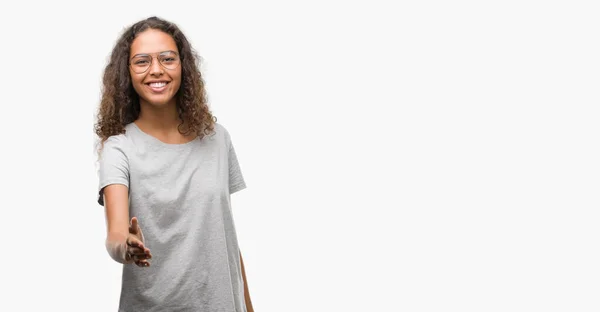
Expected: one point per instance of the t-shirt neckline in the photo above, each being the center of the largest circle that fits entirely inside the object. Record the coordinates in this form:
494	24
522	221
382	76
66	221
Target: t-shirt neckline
156	141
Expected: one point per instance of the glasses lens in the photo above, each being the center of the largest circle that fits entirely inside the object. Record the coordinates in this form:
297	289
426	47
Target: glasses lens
169	60
140	64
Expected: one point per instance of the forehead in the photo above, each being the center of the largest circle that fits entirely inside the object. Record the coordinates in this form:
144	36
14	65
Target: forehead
152	41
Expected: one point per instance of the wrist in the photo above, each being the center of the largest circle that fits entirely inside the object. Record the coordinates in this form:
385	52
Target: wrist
116	245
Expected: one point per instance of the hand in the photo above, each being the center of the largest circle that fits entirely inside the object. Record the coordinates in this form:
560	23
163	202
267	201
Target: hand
135	245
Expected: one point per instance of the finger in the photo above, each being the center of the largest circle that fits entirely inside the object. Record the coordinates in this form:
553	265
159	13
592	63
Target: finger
137	247
142	263
141	257
133	241
138	251
134	226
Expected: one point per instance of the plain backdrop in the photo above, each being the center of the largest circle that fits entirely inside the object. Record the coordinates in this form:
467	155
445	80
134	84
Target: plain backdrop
399	155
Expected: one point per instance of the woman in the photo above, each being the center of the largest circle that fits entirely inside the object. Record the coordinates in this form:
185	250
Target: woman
167	164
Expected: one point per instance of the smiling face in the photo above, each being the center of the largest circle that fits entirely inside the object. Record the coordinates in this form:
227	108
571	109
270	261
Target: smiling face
159	83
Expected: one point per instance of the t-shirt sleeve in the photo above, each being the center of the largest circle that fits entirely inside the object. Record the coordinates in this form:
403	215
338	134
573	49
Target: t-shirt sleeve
236	179
113	165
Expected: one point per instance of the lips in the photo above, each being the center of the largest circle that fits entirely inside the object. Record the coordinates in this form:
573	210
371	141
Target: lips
157	86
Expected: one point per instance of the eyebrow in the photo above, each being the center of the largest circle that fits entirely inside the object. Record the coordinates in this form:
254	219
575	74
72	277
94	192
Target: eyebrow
148	54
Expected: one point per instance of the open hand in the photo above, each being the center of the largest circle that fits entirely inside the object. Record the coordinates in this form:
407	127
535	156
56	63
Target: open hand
135	245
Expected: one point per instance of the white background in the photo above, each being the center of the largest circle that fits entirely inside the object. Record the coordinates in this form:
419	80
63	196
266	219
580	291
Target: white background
399	155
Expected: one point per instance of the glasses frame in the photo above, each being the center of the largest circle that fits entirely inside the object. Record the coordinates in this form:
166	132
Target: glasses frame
152	57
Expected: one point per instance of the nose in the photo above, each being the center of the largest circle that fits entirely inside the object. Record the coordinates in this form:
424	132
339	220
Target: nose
155	68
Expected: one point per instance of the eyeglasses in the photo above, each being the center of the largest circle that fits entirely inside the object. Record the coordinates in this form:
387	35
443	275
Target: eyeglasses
141	62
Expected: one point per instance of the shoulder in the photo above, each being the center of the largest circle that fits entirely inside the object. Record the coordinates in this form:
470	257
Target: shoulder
118	142
220	128
124	138
221	132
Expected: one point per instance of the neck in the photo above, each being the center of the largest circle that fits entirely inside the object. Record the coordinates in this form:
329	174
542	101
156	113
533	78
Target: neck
161	119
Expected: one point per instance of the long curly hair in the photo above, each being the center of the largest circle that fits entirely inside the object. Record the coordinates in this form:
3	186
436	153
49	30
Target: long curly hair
120	103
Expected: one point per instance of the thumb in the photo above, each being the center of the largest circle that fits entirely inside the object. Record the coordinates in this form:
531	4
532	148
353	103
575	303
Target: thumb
134	226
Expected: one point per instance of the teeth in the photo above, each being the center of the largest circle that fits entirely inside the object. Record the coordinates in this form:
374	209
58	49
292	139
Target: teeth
158	84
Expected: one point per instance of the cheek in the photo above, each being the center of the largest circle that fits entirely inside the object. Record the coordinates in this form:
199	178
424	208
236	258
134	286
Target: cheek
136	81
177	81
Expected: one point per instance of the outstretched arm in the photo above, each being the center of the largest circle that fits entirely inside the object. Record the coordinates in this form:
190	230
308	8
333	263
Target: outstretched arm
123	238
249	307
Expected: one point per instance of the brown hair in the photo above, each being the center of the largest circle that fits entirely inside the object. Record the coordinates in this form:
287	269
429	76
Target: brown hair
120	105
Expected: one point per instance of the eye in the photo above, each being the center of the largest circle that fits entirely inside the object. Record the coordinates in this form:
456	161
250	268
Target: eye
168	60
140	62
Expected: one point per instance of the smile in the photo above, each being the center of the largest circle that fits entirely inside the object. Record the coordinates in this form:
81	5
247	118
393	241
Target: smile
157	86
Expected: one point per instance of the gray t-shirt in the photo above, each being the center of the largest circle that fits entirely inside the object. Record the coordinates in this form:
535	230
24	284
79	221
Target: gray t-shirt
180	194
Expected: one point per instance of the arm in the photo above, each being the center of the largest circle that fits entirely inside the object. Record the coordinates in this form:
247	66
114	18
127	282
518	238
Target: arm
123	239
120	233
117	225
249	307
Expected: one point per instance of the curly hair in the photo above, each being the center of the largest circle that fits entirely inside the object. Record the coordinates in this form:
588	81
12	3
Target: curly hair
120	104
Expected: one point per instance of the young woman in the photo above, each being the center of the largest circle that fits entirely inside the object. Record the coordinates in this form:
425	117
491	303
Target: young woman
166	172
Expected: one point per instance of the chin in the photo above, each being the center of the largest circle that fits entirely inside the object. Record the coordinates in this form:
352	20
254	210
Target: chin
158	102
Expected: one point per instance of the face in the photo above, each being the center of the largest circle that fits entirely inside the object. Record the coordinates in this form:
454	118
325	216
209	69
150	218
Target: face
155	72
